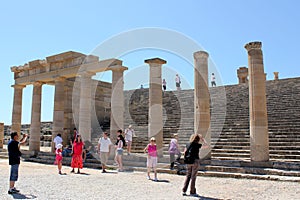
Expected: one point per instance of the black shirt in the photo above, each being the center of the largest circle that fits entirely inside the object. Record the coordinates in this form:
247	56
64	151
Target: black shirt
14	153
194	149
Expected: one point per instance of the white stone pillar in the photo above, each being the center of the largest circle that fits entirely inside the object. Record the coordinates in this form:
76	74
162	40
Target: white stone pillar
276	77
259	138
85	105
35	127
1	135
17	109
117	100
58	113
201	100
155	128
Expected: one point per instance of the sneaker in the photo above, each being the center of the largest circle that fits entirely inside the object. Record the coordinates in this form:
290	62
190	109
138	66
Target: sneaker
195	195
183	193
15	189
156	180
148	177
11	191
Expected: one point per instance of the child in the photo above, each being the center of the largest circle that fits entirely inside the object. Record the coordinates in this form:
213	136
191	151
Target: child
59	157
119	152
152	158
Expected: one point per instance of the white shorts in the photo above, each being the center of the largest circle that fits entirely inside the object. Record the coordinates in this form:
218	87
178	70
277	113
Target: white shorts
151	161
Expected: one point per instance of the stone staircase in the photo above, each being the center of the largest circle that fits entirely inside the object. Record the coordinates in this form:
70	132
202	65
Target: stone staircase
283	171
229	119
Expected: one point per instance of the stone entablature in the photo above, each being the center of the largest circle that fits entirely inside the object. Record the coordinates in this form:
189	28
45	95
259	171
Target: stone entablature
67	64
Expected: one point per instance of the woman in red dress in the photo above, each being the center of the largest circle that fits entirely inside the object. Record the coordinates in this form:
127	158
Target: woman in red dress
77	154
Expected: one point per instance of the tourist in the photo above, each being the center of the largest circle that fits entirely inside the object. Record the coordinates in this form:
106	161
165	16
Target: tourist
104	149
129	133
77	154
192	169
119	132
151	150
57	140
164	84
67	151
87	149
213	80
14	155
119	152
58	157
177	82
75	133
174	150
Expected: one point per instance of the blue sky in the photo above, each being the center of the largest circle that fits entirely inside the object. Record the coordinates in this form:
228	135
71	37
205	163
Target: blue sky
36	29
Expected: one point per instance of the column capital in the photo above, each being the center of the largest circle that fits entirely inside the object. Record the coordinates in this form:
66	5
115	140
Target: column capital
37	83
200	54
253	45
118	68
155	61
18	86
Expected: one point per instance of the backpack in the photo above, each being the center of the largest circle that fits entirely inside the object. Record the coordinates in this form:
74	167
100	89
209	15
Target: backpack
188	157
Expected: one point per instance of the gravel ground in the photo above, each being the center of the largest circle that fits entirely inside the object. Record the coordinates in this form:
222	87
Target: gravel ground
38	181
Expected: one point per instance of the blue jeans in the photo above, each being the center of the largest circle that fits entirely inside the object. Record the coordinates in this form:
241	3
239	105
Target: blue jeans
14	172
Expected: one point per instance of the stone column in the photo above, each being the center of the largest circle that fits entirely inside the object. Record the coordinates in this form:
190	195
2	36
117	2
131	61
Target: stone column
1	135
259	140
276	78
201	100
155	128
85	105
117	100
17	109
242	74
35	127
58	113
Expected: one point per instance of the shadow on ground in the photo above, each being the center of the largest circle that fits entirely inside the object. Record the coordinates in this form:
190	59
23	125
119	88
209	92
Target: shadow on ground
208	198
23	196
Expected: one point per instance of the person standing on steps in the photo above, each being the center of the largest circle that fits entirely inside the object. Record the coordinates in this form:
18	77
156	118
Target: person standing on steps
213	80
14	155
104	144
177	82
129	133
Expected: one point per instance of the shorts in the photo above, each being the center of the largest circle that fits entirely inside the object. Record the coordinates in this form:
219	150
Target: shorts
119	152
151	161
14	172
177	84
129	142
103	157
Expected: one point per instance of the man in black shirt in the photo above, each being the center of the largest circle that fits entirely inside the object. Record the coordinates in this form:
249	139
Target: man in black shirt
14	155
